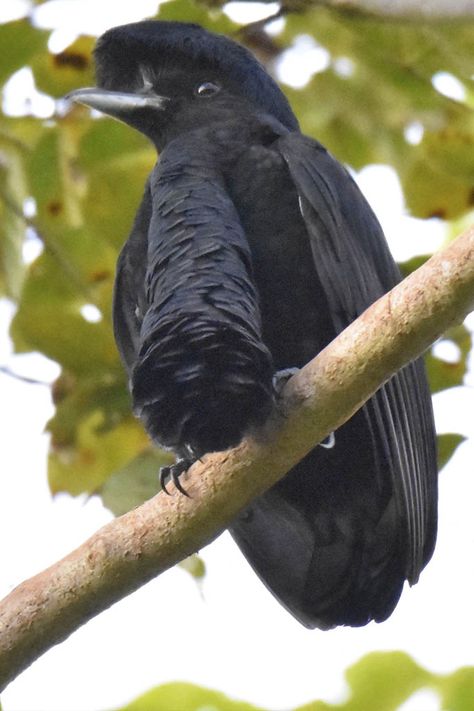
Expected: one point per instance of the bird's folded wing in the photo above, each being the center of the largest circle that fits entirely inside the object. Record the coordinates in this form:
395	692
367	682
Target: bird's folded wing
355	268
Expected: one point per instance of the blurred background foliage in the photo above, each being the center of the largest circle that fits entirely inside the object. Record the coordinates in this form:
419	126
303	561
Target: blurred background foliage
373	96
380	681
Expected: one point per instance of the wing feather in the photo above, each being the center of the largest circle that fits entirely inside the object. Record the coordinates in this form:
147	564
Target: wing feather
129	290
355	267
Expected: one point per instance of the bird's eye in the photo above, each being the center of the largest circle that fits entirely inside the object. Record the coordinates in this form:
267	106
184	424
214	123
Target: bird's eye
207	88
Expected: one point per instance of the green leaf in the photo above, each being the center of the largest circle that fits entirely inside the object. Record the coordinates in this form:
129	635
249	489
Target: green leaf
327	110
96	453
447	445
443	374
194	565
109	141
77	398
20	42
190	11
114	164
457	690
58	74
362	114
186	697
380	681
432	191
136	482
53	182
49	320
17	138
12	224
383	680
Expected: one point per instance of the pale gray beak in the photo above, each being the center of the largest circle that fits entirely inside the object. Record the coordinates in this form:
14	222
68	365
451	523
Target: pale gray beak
116	103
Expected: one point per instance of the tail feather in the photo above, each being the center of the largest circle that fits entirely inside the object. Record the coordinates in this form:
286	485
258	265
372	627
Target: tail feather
326	540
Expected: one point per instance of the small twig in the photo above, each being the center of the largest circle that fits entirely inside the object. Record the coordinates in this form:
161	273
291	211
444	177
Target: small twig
403	10
23	378
256	38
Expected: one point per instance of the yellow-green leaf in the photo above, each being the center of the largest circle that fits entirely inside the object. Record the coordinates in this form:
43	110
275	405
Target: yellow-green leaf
97	453
58	74
186	697
443	374
12	224
447	445
19	42
136	482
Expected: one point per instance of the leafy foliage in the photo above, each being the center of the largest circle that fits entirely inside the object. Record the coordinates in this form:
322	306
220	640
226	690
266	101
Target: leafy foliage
386	87
447	445
381	681
186	697
377	83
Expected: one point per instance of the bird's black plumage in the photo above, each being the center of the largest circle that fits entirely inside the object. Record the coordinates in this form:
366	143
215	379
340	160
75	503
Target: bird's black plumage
251	250
202	303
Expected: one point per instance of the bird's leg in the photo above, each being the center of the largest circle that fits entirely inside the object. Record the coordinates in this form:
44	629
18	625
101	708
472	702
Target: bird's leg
279	381
281	378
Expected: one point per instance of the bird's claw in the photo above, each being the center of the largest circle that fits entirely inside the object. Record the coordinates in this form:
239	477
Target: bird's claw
173	472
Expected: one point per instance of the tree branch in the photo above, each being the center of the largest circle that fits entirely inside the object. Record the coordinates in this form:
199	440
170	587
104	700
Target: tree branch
431	11
136	547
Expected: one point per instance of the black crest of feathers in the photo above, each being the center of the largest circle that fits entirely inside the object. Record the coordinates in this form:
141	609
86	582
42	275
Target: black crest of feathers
159	44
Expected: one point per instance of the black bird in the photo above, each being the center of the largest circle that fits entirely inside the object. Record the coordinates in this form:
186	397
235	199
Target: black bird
251	250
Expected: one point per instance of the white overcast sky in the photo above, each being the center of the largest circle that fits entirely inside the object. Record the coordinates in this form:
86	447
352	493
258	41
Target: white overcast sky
228	634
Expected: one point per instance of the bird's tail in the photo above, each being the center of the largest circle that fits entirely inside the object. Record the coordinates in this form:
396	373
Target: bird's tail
326	540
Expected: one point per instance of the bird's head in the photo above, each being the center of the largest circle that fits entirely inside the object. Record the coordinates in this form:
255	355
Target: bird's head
164	78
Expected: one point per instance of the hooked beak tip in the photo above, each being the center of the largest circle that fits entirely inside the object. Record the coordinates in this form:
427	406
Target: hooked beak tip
79	96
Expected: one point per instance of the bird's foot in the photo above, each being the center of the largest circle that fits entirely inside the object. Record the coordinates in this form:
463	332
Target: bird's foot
279	381
281	378
173	472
